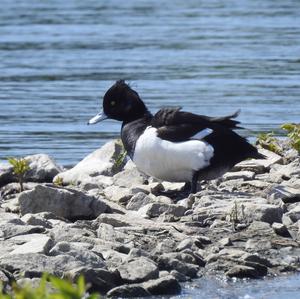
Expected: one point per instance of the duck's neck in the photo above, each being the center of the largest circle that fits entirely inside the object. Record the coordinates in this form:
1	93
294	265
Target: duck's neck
132	130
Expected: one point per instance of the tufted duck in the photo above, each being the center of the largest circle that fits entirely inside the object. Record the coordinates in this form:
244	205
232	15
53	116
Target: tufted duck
174	145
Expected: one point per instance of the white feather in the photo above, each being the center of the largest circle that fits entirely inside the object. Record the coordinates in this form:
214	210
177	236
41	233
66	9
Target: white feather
170	161
202	134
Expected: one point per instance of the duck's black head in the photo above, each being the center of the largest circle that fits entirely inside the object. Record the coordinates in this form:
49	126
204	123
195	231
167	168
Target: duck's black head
121	103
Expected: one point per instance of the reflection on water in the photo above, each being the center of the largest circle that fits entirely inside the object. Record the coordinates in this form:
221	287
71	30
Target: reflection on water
57	58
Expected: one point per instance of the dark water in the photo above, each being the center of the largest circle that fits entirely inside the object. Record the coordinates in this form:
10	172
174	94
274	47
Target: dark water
57	58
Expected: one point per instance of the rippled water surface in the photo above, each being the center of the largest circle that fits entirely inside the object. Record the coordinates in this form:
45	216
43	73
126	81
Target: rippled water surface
212	288
213	57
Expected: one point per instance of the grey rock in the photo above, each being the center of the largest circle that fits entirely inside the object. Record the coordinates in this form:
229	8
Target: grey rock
100	162
64	232
163	274
187	203
42	168
257	184
11	205
138	270
120	220
79	252
118	194
263	212
287	171
227	254
241	271
129	178
138	200
108	233
99	182
167	285
36	219
260	165
261	270
260	227
286	220
204	240
112	207
156	209
115	220
13	228
225	242
6	174
294	214
256	258
35	264
197	258
5	279
10	190
285	193
280	229
100	280
67	203
128	291
169	262
185	244
258	245
113	258
179	276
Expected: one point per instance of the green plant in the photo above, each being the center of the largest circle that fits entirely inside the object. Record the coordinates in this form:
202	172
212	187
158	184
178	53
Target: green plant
61	289
120	156
269	142
20	167
293	134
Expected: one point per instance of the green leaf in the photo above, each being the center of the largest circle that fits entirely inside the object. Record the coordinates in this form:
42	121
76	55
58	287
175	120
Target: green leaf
65	287
81	285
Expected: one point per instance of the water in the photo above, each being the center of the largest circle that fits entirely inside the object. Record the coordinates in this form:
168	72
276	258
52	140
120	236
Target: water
57	58
213	288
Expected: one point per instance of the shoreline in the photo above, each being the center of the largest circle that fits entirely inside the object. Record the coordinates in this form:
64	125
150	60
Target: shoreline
131	235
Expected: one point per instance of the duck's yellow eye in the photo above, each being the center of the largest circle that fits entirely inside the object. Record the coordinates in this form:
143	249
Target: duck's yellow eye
113	103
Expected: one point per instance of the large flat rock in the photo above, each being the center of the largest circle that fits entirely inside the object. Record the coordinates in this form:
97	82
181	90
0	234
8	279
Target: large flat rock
66	203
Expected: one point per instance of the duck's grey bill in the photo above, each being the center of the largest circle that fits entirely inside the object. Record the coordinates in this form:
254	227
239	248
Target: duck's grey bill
99	117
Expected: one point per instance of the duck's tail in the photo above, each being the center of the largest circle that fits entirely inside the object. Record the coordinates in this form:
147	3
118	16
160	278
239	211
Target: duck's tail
227	120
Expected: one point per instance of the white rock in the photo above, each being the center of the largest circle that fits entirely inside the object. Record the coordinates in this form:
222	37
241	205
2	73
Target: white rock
34	243
245	175
99	162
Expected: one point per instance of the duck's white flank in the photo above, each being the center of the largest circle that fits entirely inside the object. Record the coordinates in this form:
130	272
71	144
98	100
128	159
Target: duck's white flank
170	161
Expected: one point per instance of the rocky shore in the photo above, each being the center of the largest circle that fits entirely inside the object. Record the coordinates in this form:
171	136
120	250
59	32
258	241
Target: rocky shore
130	235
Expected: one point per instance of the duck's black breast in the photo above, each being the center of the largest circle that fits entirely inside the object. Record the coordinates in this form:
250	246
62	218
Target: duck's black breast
131	131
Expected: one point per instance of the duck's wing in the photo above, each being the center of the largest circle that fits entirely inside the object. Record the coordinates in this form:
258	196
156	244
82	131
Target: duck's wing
175	125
